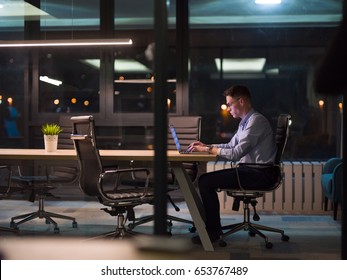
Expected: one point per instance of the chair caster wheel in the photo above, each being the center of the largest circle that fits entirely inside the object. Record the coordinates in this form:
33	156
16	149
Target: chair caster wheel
130	226
251	233
222	243
13	225
268	245
192	229
74	224
285	237
56	230
47	222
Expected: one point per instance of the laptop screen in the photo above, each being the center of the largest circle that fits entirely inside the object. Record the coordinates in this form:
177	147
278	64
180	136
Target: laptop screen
175	138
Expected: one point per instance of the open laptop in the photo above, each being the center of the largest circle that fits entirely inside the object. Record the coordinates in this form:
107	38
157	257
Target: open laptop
178	145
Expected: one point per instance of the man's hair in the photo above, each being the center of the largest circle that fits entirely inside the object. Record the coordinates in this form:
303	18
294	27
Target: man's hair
238	91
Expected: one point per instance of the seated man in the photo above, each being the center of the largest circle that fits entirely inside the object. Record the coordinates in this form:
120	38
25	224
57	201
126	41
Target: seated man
252	143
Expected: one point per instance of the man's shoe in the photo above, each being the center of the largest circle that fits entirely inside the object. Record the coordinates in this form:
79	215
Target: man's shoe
213	237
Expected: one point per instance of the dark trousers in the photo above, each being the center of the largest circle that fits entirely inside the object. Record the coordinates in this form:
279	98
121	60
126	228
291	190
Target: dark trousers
250	178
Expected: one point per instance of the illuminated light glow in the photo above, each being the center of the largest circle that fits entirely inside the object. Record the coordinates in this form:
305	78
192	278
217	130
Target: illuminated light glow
121	65
237	65
168	103
73	100
149	89
86	103
51	81
10	100
268	2
141	81
340	106
65	43
321	103
223	107
56	101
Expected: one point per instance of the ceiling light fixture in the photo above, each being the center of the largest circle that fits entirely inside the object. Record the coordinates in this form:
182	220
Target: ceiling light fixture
65	43
241	65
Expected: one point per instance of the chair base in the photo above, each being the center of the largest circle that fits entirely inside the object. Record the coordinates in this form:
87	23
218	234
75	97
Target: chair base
119	233
41	214
13	230
169	218
252	228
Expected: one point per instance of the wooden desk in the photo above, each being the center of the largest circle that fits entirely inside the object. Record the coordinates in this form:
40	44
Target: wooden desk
9	156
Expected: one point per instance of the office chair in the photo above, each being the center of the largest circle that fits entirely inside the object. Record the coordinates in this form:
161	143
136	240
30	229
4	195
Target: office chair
40	186
188	130
5	185
105	182
248	197
331	181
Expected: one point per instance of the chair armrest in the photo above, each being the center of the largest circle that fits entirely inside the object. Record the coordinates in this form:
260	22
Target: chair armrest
78	137
117	172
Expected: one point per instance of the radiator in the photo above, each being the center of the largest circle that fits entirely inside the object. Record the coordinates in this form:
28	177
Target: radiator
300	189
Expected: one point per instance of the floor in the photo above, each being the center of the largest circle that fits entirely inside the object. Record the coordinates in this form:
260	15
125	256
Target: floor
312	236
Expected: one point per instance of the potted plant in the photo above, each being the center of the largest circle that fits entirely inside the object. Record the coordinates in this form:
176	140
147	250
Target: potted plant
50	133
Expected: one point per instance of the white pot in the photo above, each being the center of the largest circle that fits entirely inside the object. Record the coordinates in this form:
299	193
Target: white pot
51	143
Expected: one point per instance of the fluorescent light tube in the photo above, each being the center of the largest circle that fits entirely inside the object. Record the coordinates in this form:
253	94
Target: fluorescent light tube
50	81
65	43
244	65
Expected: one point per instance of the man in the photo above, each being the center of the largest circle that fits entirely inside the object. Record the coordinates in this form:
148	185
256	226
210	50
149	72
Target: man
252	143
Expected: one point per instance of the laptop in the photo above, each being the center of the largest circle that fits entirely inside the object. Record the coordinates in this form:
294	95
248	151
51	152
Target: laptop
178	145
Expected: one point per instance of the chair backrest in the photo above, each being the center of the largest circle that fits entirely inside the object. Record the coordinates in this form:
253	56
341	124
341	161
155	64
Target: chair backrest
64	139
83	137
281	135
188	129
66	173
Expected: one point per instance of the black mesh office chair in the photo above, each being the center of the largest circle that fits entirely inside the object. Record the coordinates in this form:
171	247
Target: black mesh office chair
5	185
248	197
188	130
105	183
40	186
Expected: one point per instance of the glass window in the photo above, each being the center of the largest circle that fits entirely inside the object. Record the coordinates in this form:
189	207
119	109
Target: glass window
12	98
280	80
69	80
70	15
134	80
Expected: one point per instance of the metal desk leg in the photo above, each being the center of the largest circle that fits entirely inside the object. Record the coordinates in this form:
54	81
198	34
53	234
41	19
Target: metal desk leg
193	202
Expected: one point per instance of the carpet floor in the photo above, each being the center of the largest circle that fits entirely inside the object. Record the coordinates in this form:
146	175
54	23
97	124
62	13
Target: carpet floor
312	237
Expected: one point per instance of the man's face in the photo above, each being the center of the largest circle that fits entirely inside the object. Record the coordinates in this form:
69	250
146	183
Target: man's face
233	106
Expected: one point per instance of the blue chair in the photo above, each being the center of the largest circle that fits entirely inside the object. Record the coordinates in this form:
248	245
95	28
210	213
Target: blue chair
332	183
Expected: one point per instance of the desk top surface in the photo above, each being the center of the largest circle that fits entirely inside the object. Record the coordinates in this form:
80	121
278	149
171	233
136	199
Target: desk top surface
144	155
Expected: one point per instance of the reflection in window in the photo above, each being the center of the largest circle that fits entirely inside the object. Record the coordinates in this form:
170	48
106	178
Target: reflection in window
69	81
280	81
70	15
134	82
11	98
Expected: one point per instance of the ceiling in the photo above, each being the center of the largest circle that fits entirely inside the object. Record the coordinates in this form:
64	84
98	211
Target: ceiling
60	14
